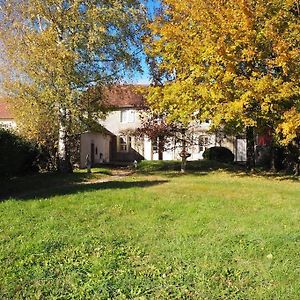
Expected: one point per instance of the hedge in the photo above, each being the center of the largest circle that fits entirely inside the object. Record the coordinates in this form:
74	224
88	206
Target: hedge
17	156
220	154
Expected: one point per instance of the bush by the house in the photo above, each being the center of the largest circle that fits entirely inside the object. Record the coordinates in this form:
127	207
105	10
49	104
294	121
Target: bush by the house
220	154
17	156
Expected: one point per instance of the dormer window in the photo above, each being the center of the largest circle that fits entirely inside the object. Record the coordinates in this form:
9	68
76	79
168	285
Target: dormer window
127	116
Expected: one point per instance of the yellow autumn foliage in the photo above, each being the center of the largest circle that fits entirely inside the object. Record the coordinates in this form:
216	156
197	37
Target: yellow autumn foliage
237	61
55	51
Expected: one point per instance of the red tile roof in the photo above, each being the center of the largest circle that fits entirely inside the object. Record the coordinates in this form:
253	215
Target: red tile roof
5	112
121	96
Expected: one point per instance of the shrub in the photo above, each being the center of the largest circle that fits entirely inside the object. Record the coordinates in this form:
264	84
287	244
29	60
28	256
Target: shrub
17	156
220	154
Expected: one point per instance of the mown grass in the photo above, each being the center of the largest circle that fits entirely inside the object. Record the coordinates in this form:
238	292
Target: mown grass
206	235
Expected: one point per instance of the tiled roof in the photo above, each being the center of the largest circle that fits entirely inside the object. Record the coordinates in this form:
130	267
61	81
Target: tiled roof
5	113
120	96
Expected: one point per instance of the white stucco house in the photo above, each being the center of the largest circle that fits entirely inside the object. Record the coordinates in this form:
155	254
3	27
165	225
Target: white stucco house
118	143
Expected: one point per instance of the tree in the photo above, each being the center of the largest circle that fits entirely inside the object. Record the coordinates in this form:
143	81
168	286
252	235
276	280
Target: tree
157	130
231	61
57	50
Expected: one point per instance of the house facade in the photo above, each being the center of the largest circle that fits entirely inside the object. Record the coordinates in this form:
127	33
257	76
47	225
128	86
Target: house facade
119	144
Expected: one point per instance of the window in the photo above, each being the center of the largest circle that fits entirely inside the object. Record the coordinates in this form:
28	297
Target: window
124	143
127	116
203	142
123	116
155	146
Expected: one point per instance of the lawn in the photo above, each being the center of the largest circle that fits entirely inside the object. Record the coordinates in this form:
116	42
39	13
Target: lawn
211	234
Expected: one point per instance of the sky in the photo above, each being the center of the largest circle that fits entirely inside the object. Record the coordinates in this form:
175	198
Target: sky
144	78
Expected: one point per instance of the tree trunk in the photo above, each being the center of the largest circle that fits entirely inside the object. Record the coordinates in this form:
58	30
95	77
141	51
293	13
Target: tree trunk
297	168
160	148
183	156
183	164
273	157
297	165
250	148
64	163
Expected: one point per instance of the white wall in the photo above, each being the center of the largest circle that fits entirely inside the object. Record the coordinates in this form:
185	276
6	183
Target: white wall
241	150
148	151
101	145
114	125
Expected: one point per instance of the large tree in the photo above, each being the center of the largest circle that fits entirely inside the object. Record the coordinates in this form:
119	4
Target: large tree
56	50
232	61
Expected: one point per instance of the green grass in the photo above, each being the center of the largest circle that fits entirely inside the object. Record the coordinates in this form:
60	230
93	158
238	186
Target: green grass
204	235
203	165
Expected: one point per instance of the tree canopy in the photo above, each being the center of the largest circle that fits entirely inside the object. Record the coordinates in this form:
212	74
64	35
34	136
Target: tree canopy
55	51
231	61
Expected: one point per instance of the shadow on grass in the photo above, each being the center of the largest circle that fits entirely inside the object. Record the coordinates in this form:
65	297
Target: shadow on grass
267	174
54	184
